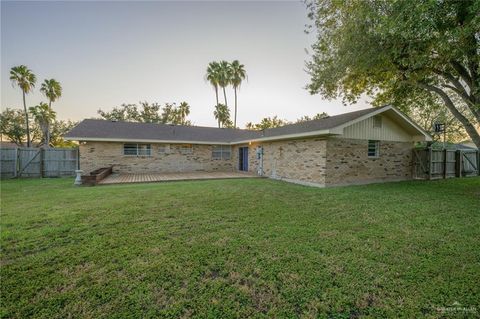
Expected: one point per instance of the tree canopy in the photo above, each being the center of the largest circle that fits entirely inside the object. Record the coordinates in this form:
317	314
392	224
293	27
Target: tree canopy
275	121
146	112
412	54
14	128
44	116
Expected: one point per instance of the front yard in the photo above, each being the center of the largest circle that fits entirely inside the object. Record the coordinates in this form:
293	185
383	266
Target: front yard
248	248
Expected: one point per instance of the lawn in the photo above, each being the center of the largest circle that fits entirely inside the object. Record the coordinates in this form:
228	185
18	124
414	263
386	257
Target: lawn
239	248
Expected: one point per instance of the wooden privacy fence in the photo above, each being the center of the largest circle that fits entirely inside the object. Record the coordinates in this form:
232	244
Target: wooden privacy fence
38	162
435	164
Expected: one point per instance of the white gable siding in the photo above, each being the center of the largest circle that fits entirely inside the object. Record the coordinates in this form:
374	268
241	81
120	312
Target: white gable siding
365	130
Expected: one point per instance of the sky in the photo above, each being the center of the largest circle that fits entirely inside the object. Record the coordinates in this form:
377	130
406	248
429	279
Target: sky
109	53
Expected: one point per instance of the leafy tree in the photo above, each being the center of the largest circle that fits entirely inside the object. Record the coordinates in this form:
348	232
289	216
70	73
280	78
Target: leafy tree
317	116
267	122
171	114
44	116
58	129
435	112
52	90
224	77
24	78
222	115
125	112
238	74
12	125
271	122
149	113
401	52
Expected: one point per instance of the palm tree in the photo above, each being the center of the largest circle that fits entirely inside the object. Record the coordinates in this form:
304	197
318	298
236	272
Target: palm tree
183	110
238	74
212	76
25	80
222	115
44	116
224	76
52	90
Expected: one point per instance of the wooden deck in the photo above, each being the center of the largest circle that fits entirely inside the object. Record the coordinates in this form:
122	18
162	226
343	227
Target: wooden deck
167	177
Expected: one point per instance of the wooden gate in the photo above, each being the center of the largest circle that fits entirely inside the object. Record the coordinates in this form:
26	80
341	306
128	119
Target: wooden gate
468	163
38	162
435	164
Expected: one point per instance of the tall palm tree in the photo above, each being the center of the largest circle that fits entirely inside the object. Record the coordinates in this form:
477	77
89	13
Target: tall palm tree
212	76
52	90
224	76
44	116
238	74
24	78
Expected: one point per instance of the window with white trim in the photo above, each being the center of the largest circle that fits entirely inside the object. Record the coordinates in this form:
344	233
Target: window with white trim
186	149
377	121
373	148
221	152
137	149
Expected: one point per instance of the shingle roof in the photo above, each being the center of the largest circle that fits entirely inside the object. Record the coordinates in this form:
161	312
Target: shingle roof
151	131
104	130
317	125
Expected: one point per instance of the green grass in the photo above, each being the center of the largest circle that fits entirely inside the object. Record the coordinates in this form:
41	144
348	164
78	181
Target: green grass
239	248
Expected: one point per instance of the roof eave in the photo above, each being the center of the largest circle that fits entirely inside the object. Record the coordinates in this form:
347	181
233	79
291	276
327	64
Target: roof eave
132	140
286	137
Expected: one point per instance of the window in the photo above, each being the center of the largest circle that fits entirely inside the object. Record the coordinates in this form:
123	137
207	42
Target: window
377	121
137	149
186	149
221	152
373	148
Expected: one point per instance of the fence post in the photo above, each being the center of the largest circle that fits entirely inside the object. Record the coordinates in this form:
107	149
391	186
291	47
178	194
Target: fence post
430	164
478	162
444	163
15	165
42	162
459	163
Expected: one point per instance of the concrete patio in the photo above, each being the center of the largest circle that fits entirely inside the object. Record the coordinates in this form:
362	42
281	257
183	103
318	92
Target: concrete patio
166	177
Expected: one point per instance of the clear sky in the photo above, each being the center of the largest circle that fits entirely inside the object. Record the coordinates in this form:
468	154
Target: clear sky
108	53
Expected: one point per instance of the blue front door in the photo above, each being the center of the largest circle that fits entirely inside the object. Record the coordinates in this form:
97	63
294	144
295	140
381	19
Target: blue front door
243	158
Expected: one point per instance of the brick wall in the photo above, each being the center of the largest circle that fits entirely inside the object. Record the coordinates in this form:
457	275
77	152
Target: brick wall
301	161
348	162
94	155
314	161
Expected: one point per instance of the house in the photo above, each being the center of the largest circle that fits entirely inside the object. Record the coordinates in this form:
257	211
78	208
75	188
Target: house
365	146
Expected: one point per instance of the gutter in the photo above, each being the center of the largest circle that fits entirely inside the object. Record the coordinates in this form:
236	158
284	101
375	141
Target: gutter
261	139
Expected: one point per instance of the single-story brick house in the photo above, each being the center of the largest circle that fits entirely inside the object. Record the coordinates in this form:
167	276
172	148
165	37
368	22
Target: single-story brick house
365	146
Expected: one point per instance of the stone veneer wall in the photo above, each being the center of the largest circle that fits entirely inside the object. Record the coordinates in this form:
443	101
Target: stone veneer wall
301	161
348	162
94	155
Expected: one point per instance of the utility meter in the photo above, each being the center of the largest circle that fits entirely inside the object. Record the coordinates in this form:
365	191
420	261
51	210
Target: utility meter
259	152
